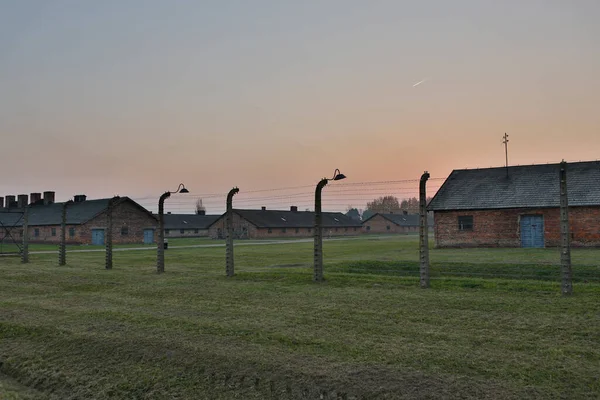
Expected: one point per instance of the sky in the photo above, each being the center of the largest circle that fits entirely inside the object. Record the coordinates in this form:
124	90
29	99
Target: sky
132	97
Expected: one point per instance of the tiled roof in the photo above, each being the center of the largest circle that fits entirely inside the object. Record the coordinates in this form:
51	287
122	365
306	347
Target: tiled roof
402	219
77	213
295	219
524	187
189	221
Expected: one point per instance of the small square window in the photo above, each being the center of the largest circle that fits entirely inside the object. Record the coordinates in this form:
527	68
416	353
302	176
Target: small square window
345	229
465	223
309	230
182	231
71	232
36	232
387	227
336	229
53	231
354	229
195	230
283	230
270	230
124	231
297	230
368	228
167	231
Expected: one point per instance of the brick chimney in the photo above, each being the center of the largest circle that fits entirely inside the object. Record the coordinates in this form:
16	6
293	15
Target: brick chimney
79	198
294	208
1	202
10	200
48	198
201	212
35	197
263	208
405	212
22	200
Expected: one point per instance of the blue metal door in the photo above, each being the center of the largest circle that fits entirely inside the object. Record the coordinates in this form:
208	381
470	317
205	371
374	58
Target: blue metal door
98	237
148	236
532	231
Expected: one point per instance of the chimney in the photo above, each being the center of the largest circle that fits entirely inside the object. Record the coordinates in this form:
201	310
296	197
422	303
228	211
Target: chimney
79	198
263	208
405	212
294	208
201	212
35	198
48	198
22	200
1	202
10	200
168	212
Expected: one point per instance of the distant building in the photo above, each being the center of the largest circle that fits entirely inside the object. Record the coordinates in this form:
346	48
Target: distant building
393	223
260	224
188	225
517	206
86	221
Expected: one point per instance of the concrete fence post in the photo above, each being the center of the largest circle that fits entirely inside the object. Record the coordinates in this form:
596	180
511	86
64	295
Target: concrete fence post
25	250
229	263
423	232
109	234
318	234
565	239
62	247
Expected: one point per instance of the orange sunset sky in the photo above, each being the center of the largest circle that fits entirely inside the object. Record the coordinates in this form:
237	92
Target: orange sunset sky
133	97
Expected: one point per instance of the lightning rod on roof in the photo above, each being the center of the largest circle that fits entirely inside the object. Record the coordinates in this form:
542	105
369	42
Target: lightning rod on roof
505	141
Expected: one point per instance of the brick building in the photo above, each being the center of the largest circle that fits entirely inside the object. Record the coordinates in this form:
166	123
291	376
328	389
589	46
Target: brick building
86	221
393	223
188	225
260	224
517	206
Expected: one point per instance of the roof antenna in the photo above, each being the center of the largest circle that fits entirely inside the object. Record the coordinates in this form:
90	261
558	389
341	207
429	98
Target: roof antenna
505	141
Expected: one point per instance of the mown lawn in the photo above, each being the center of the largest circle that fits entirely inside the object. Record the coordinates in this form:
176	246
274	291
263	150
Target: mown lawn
493	325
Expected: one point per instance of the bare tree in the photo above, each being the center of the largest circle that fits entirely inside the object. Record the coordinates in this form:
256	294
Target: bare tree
200	209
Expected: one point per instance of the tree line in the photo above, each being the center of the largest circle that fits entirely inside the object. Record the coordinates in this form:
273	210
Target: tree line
385	205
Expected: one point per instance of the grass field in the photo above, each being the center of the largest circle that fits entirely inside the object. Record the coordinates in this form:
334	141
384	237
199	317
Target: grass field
493	325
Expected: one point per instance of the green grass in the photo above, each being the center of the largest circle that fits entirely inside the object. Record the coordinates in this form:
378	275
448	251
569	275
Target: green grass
80	331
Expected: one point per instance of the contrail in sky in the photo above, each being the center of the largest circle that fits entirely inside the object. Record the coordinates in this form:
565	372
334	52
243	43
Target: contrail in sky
418	83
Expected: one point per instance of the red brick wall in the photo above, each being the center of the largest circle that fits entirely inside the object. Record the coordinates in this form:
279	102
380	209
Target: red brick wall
45	234
244	229
501	228
187	233
125	214
379	224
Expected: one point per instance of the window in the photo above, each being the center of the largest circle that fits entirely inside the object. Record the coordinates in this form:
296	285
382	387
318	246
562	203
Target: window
124	231
53	231
166	231
283	230
336	229
270	231
368	227
309	230
297	230
195	230
36	232
465	223
71	232
354	229
345	229
182	231
387	227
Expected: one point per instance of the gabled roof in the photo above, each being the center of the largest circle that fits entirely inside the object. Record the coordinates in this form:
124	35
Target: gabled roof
77	213
525	186
189	221
295	219
401	219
